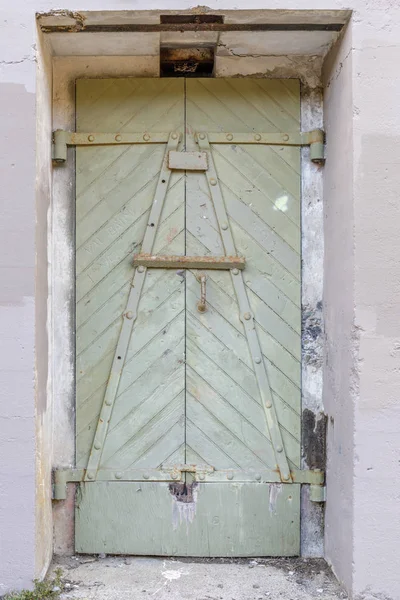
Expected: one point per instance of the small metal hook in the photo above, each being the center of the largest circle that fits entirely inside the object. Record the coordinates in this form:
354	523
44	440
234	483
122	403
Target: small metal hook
201	305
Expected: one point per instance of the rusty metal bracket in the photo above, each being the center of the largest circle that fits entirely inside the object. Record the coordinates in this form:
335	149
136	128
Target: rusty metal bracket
188	262
202	304
202	473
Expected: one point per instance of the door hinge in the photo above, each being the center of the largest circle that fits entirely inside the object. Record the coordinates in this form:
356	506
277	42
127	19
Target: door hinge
189	160
317	493
203	473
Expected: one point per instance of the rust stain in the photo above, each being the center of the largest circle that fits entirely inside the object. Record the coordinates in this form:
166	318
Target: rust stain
189	262
172	233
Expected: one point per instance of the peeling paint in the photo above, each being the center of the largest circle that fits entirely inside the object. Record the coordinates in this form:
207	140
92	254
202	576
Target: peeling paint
314	439
275	489
312	335
184	501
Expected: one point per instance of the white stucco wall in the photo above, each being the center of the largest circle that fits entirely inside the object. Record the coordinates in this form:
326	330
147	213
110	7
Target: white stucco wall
362	375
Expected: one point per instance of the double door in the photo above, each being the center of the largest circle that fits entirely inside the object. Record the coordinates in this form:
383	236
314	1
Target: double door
188	318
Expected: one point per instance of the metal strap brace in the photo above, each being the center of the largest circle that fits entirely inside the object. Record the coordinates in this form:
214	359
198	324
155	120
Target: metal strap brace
314	478
315	139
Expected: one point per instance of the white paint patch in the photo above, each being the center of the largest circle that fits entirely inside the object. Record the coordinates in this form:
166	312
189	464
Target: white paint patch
281	203
184	512
172	574
275	489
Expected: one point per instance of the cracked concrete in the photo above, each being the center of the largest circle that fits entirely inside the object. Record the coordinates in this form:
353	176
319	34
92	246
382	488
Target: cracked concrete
111	578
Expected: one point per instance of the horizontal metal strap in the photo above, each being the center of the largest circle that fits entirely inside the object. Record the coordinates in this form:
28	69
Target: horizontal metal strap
271	139
314	139
188	262
204	474
62	139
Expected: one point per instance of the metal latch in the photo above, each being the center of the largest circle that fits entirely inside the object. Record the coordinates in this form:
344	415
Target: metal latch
199	470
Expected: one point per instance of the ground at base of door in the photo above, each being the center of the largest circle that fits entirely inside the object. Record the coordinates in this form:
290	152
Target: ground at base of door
137	578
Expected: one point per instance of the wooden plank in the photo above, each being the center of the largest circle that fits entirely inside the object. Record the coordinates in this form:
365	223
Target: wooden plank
189	262
154	522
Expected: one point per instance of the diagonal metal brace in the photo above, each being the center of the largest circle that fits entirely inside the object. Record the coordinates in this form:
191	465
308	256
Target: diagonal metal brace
246	315
129	316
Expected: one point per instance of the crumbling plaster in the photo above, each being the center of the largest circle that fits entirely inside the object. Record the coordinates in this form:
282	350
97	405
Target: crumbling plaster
362	88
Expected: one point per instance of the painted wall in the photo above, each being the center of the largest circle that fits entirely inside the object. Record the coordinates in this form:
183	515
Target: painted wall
339	397
361	292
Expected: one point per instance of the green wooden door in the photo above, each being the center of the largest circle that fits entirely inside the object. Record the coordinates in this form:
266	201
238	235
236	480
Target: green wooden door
188	422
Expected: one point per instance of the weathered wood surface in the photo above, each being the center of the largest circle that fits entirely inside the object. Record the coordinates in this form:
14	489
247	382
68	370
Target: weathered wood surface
115	190
188	391
241	519
261	192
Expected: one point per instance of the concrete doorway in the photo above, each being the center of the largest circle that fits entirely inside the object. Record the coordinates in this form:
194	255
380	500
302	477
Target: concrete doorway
312	534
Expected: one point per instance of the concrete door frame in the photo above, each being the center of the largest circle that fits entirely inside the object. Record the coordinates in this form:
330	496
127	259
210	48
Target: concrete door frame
61	367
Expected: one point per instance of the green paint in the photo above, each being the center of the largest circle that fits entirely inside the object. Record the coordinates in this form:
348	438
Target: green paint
228	519
164	412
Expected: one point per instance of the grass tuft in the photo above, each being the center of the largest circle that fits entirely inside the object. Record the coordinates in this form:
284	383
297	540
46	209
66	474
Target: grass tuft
49	589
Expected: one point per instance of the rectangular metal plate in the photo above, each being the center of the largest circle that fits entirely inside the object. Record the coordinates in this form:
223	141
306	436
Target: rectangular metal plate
187	161
229	519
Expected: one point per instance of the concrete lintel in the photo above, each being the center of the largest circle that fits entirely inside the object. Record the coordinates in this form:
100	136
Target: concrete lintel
66	18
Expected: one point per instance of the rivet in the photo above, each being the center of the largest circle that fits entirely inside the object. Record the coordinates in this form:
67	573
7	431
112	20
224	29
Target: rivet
201	476
257	137
129	314
257	360
268	404
202	136
118	475
145	475
108	402
279	449
247	316
229	476
90	475
224	226
285	137
90	138
174	476
146	137
174	136
235	271
286	477
140	268
118	138
229	136
213	181
97	446
258	477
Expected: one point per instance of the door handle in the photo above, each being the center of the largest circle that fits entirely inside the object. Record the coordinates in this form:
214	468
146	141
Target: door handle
201	305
